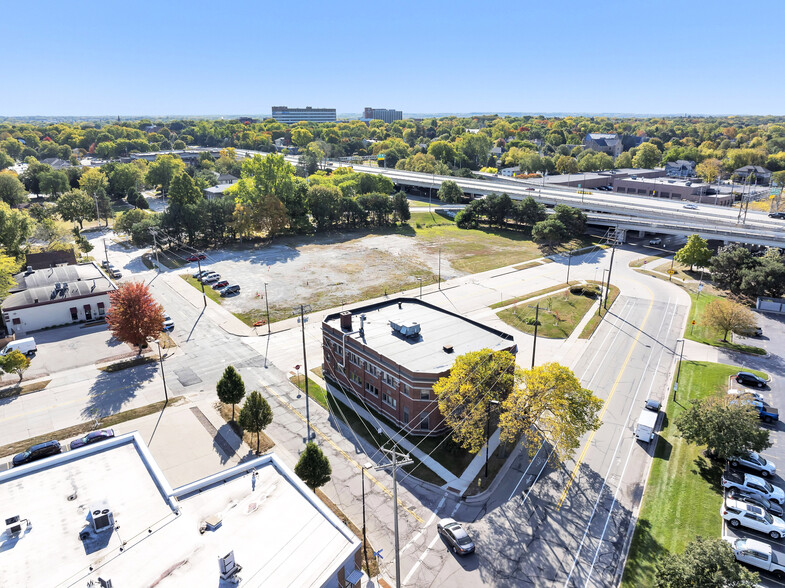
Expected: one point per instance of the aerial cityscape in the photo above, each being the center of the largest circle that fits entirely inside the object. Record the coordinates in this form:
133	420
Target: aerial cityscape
432	313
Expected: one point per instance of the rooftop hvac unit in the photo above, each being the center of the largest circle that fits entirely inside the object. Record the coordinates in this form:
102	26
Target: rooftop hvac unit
102	520
407	329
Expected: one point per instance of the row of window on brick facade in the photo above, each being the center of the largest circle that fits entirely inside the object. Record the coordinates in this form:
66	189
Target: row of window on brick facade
376	372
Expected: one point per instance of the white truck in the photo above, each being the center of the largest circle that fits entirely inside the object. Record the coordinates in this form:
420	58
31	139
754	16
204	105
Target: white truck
758	554
26	346
647	422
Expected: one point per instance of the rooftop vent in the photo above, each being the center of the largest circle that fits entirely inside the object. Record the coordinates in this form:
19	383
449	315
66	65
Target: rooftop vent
407	329
102	520
448	348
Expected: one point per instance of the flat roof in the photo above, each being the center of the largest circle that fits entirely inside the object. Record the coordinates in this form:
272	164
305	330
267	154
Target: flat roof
438	327
55	284
280	532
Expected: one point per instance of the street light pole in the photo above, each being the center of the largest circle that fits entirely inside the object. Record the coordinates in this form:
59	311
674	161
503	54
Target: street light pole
267	308
569	263
302	309
536	323
199	265
420	280
678	370
610	268
365	466
488	433
163	374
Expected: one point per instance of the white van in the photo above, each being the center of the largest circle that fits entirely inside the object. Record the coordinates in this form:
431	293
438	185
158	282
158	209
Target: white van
647	422
26	346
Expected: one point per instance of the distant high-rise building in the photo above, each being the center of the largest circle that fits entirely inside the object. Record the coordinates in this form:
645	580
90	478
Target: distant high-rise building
289	116
385	114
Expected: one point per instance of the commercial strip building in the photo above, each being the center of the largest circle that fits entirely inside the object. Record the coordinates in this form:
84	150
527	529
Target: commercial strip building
384	114
106	513
286	115
675	189
55	296
390	354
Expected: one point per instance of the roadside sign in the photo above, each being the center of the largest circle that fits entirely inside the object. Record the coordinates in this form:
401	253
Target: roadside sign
693	323
380	156
700	287
671	272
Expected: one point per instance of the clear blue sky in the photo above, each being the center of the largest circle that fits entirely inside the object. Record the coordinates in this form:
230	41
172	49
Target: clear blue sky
241	57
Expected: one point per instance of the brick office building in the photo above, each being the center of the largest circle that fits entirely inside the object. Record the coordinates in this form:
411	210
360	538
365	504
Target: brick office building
391	353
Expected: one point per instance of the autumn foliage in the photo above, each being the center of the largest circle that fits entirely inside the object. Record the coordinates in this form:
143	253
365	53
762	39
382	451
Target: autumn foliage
134	314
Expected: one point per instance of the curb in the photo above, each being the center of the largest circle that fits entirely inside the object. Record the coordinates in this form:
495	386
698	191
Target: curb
500	475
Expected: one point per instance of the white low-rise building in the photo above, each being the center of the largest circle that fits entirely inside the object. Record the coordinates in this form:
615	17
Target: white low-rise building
105	513
56	296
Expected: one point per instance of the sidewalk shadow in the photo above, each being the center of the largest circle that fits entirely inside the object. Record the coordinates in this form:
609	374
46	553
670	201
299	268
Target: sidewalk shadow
111	391
226	443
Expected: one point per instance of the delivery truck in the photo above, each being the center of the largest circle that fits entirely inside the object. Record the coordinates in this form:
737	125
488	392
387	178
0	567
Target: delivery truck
647	422
26	346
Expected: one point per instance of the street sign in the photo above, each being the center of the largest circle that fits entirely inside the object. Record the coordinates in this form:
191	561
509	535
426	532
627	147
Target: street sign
671	272
700	287
380	156
693	322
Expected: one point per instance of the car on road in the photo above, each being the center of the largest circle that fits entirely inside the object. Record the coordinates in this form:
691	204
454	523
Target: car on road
221	284
754	461
36	452
741	514
653	405
758	554
229	290
779	215
750	498
530	189
657	241
168	323
456	536
691	206
92	437
199	257
210	278
750	379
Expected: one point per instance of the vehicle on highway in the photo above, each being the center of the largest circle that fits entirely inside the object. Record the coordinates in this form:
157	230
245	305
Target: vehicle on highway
749	498
26	346
221	284
201	273
758	554
210	278
779	215
754	461
753	484
36	452
168	323
199	257
741	514
691	206
92	437
456	536
656	241
530	189
229	290
750	379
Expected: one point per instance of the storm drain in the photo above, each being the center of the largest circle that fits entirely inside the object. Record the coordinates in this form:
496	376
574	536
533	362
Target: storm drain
217	439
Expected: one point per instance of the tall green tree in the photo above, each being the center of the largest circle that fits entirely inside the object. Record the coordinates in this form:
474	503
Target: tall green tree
695	252
92	181
450	192
163	170
53	182
8	267
705	563
549	231
12	191
255	415
475	379
76	206
727	427
313	467
647	156
15	227
726	315
528	211
15	363
401	206
182	190
231	388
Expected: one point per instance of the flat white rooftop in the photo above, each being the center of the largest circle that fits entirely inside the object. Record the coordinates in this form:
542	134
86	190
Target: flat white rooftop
280	532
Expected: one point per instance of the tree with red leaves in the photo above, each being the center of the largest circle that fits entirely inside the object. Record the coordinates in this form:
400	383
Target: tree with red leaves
134	314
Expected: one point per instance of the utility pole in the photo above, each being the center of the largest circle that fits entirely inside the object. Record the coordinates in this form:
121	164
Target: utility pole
267	308
154	233
106	253
398	460
302	309
365	466
610	269
569	263
440	268
488	433
678	371
199	265
536	322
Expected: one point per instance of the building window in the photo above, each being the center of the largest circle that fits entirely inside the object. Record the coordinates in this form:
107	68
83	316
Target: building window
425	395
371	369
424	423
390	380
101	310
405	415
355	378
74	314
405	390
354	359
370	388
388	400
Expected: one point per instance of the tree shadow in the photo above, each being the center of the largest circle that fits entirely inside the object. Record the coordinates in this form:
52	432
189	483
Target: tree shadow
111	390
710	470
226	443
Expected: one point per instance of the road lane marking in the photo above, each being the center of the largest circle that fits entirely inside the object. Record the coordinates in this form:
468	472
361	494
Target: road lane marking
428	524
421	558
348	457
527	469
605	406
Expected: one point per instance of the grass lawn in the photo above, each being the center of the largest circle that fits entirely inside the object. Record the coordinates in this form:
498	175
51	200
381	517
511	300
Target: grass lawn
530	264
208	288
683	495
559	315
529	296
315	391
595	321
683	272
705	334
128	363
641	261
21	389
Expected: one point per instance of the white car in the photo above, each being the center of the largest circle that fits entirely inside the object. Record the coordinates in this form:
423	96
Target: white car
691	206
210	278
655	241
754	461
745	394
741	514
201	273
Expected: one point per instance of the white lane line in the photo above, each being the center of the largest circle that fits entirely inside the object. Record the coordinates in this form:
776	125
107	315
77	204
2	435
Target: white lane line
421	559
428	524
615	452
527	470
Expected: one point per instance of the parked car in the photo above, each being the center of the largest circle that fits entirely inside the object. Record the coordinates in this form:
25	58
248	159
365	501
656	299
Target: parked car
105	264
26	346
753	332
777	215
656	241
753	484
198	257
210	278
758	554
653	405
36	452
221	284
168	323
92	437
750	379
741	514
201	273
456	536
691	206
735	392
754	461
755	499
228	290
115	273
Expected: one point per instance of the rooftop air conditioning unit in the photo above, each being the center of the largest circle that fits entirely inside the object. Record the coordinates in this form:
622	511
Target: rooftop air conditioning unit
102	520
407	329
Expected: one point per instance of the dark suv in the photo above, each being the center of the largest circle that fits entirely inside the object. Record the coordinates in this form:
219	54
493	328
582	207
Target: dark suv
37	452
748	379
